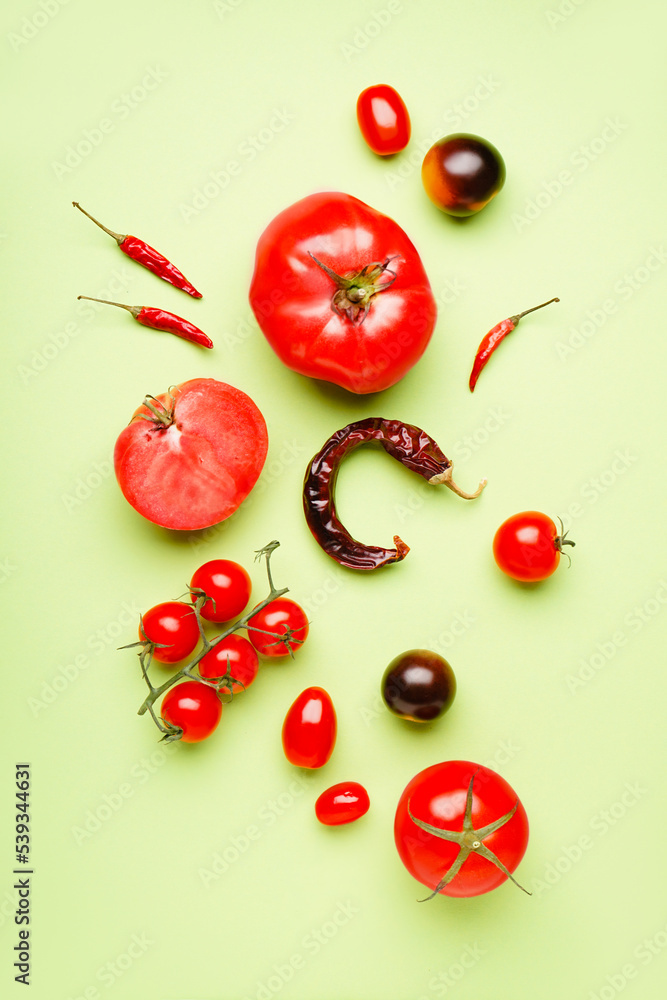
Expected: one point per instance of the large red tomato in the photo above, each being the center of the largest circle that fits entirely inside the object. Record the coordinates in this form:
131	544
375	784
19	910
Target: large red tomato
189	457
460	829
341	294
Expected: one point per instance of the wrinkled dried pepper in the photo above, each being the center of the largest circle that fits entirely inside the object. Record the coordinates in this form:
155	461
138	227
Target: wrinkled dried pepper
409	445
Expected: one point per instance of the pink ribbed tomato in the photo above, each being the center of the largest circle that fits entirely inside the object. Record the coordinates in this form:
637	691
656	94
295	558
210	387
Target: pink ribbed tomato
189	457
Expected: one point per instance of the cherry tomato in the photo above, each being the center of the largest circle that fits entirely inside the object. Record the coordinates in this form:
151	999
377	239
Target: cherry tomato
173	625
340	293
418	685
235	652
309	729
342	803
283	617
462	173
383	119
189	457
527	546
227	584
474	829
193	707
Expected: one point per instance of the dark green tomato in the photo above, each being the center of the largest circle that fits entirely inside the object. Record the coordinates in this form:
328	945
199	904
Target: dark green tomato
418	685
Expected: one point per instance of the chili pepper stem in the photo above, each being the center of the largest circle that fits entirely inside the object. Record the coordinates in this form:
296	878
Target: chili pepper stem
445	479
118	238
515	319
135	310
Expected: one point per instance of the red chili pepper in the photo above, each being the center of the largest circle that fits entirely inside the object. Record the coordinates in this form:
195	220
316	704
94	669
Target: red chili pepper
159	319
493	338
409	445
148	257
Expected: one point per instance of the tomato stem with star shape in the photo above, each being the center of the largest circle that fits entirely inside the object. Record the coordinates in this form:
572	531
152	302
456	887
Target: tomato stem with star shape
469	841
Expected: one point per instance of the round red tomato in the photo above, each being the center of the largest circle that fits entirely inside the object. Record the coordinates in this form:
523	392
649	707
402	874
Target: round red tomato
235	653
189	457
173	625
460	829
342	803
280	617
383	119
226	584
527	546
309	729
193	707
341	294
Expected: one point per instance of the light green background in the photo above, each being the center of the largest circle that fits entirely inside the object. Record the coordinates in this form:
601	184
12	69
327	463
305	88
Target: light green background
563	399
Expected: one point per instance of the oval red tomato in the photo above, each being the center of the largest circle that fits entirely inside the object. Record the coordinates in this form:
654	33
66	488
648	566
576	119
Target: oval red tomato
237	654
383	119
474	815
309	729
189	457
341	294
173	626
193	707
527	546
280	617
227	585
342	803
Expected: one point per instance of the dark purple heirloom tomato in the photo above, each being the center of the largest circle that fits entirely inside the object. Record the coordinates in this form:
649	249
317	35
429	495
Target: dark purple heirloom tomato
462	173
418	685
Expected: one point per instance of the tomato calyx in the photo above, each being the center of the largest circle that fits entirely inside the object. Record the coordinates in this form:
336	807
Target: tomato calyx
469	841
162	416
356	289
561	540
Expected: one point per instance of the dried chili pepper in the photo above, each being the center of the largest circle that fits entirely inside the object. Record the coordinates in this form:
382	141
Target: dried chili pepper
493	338
160	319
148	257
409	445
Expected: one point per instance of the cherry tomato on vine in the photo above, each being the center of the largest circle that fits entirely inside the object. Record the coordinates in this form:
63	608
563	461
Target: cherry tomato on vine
173	624
235	652
193	707
227	585
383	119
527	546
284	617
460	829
342	803
309	729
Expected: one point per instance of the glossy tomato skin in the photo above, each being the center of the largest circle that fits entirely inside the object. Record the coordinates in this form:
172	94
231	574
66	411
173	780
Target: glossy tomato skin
419	685
173	625
236	652
292	297
437	796
342	803
193	707
278	617
309	729
525	546
198	469
383	119
461	173
227	584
